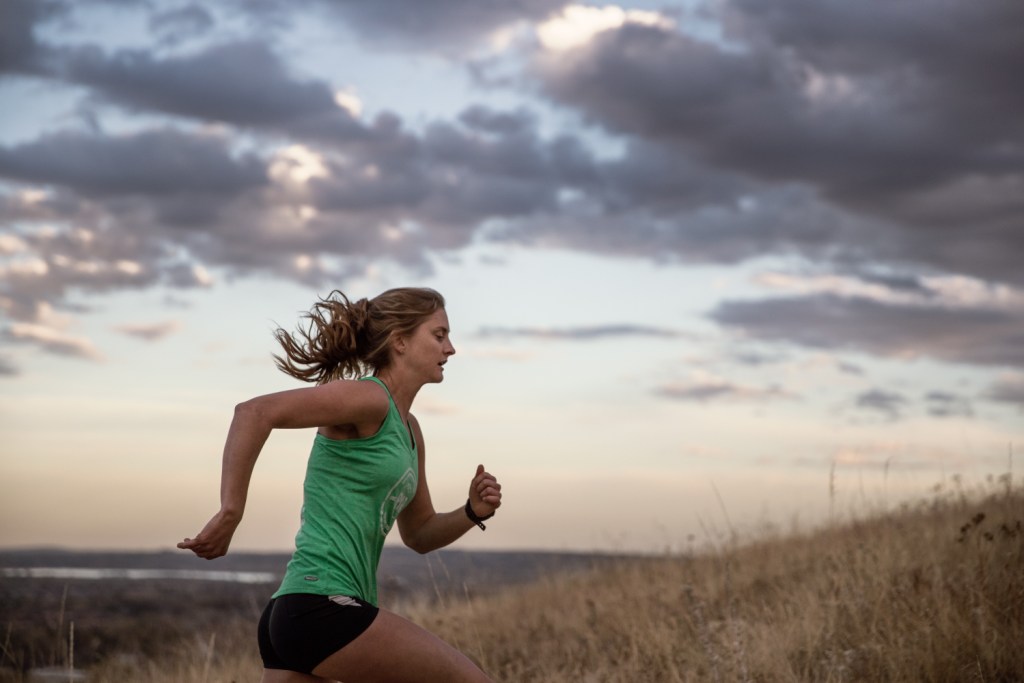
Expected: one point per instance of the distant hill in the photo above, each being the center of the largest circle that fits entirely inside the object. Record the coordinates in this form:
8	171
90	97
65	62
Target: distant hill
121	617
403	573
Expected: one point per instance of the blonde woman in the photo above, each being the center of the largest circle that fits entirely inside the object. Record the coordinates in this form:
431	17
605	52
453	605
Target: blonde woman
368	359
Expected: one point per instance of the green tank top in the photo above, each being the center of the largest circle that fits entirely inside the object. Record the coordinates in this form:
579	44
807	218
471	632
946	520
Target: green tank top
353	492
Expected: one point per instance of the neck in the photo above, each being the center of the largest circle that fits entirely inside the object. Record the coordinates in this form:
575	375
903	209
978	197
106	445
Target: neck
403	391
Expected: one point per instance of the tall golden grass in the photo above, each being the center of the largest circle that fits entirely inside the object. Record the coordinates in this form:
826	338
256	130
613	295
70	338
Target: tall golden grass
930	592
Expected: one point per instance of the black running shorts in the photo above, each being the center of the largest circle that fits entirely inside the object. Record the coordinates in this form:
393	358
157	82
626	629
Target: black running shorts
298	631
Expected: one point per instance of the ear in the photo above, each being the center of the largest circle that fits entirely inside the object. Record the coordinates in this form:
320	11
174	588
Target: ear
399	343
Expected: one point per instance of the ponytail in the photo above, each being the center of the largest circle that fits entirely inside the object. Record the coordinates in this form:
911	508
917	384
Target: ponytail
345	339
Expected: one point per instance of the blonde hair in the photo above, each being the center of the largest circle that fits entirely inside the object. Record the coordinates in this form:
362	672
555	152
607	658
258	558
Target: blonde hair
346	339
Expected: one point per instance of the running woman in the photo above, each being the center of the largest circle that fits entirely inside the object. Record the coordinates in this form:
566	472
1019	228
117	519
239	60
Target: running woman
368	360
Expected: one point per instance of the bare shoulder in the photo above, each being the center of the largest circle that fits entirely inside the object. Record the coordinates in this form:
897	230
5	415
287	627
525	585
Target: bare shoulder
365	400
341	402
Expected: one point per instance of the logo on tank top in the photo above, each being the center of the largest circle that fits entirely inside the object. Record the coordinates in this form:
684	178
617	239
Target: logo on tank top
398	497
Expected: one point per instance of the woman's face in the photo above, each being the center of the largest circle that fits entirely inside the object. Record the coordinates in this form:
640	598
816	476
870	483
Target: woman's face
427	349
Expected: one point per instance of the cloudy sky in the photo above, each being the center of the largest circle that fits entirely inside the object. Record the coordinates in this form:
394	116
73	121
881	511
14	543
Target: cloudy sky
709	263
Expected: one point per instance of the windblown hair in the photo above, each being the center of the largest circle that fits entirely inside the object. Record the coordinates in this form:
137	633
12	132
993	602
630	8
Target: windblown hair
345	339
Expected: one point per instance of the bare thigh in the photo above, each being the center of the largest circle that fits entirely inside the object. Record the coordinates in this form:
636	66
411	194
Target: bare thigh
395	650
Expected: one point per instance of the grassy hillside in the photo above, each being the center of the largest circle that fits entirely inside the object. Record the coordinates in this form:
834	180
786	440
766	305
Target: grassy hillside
933	592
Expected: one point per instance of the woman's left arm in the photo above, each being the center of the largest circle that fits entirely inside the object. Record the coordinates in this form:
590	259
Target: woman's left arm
424	529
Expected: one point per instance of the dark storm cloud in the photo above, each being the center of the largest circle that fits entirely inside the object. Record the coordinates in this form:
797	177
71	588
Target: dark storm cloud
893	112
889	404
448	26
178	24
92	257
391	195
777	110
488	140
7	368
768	110
959	51
848	135
965	335
588	333
444	182
453	176
709	391
20	49
611	220
149	332
243	83
739	110
945	404
851	369
660	179
756	358
156	163
1008	390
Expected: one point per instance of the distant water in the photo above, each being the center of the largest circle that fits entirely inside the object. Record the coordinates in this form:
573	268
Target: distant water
97	574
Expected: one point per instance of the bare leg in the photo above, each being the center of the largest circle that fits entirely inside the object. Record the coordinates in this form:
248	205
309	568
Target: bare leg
395	650
282	676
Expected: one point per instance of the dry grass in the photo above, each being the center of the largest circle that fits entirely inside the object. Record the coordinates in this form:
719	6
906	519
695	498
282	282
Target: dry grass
926	595
931	593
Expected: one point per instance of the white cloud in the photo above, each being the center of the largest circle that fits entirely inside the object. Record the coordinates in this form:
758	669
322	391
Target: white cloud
54	340
128	267
202	276
33	196
297	164
505	37
578	24
350	102
826	88
25	268
12	244
967	292
703	386
950	291
149	331
95	267
838	285
83	236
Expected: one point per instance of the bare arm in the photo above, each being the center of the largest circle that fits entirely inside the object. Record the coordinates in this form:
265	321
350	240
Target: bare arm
362	404
424	529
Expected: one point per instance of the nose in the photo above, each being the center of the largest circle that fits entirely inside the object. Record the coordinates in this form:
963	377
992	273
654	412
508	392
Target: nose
449	349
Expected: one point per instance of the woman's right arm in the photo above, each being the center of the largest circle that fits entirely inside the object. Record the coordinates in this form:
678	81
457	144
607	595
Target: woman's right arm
246	436
340	402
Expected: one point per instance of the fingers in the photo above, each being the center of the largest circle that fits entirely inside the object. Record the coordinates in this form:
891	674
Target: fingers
207	551
486	487
488	490
196	545
207	545
215	538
